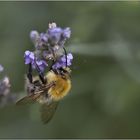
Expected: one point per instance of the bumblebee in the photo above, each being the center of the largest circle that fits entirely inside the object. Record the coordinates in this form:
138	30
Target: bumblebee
47	90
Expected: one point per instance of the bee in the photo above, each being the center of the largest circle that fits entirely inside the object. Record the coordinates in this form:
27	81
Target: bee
47	90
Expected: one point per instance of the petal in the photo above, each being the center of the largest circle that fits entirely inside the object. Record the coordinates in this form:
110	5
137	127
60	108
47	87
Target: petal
41	68
69	56
66	32
39	63
32	56
27	53
55	30
43	37
63	58
44	63
34	35
56	66
27	61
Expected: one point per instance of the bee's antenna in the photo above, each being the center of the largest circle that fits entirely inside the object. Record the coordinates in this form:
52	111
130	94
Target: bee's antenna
65	56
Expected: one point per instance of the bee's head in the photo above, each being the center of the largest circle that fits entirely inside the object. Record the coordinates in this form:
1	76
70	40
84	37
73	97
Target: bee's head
64	72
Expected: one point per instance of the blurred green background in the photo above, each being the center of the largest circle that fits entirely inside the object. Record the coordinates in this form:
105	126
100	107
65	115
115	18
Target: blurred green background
105	98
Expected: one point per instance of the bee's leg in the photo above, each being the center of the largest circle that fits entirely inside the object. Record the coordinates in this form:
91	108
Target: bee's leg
52	65
41	75
29	74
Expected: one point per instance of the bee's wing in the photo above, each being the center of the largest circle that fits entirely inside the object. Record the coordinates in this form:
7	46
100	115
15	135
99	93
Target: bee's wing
47	111
33	97
28	99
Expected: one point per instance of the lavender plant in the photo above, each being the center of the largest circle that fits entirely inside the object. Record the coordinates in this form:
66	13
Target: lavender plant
49	46
6	97
53	86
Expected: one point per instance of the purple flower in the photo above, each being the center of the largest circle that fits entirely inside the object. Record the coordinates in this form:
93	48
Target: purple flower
41	42
54	35
57	65
30	58
43	37
62	61
42	64
34	35
66	33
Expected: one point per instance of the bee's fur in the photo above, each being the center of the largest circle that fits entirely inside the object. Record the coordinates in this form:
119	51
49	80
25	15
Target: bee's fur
62	85
57	92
